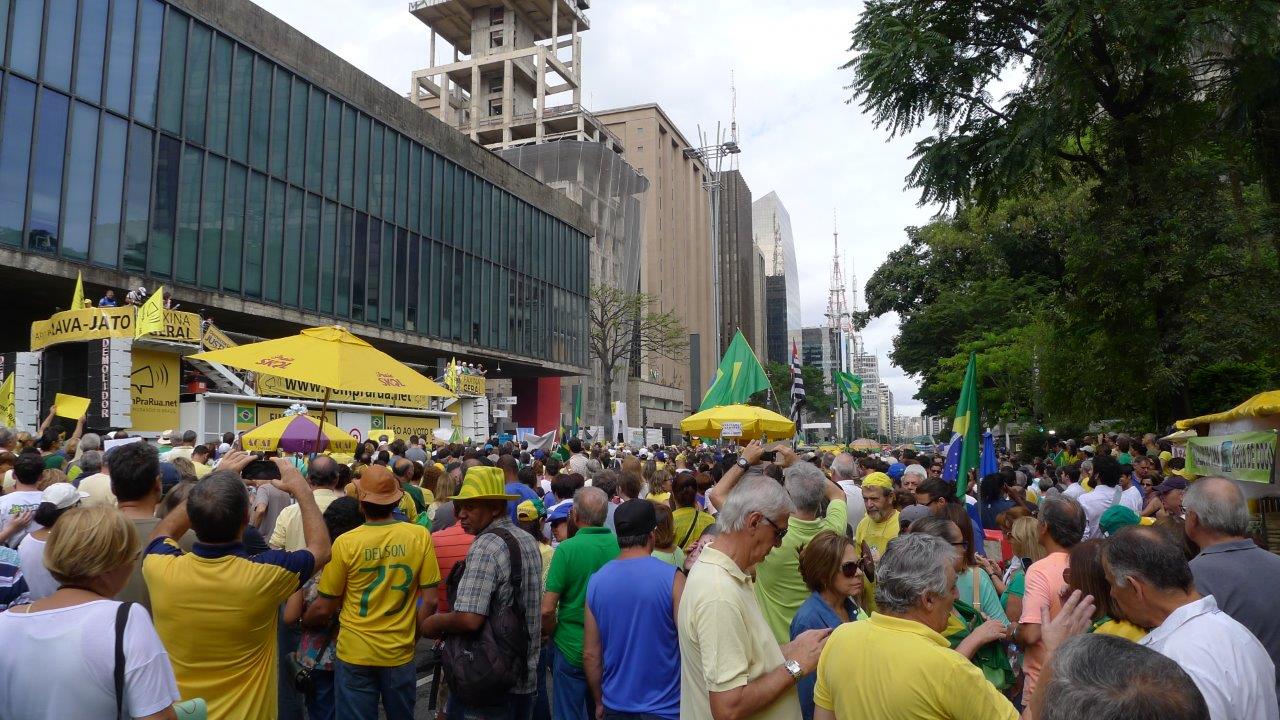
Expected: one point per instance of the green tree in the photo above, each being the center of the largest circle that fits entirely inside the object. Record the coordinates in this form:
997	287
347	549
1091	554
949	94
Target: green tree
1108	202
818	402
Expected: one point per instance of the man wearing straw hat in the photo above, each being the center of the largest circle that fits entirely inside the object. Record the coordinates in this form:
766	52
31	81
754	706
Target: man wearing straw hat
484	585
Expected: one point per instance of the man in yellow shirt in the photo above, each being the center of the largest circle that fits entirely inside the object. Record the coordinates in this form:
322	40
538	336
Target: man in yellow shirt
862	666
878	527
215	607
384	573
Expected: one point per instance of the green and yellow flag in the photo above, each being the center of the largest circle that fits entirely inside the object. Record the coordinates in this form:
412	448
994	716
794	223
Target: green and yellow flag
966	425
739	376
77	298
576	425
8	408
850	385
150	317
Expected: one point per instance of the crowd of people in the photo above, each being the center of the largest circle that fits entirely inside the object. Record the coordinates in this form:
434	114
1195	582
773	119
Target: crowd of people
601	581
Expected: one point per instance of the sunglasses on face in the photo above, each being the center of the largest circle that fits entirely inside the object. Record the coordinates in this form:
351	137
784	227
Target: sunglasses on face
851	568
778	532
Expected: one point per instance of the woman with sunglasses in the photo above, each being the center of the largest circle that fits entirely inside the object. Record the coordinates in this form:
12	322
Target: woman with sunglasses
832	569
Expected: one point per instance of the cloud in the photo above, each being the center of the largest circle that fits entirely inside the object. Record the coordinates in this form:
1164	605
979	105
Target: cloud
799	135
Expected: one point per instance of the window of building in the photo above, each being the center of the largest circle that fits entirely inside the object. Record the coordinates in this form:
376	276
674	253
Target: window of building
495	107
497	15
495	39
495	84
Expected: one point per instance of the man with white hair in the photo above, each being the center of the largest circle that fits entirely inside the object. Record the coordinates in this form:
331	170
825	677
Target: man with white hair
847	474
912	477
862	668
780	589
730	663
1241	577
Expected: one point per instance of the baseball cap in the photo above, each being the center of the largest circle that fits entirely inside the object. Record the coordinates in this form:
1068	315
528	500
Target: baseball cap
1119	516
635	517
1088	449
911	513
896	470
62	495
1173	482
530	510
561	512
378	486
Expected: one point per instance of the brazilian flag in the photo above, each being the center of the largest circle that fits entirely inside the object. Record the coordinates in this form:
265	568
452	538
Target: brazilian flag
739	376
966	426
850	386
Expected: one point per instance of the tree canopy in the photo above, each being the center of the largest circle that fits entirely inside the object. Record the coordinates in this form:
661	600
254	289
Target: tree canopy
1110	179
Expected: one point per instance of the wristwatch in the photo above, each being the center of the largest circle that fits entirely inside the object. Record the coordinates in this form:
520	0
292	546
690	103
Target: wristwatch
742	463
793	669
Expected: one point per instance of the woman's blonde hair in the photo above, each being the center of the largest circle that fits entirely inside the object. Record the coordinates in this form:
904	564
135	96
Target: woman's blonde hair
1025	538
446	487
51	476
88	543
186	469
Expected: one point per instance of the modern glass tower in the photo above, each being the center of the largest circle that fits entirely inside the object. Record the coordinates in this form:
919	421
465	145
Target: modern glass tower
209	147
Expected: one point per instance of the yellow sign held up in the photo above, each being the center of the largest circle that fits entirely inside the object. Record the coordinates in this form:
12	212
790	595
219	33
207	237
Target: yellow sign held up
151	315
70	406
77	298
8	409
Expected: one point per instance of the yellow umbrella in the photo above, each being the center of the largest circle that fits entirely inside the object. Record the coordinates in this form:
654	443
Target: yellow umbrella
331	357
864	444
757	422
297	433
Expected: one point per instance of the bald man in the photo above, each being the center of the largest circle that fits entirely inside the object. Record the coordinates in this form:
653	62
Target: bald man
1241	576
322	474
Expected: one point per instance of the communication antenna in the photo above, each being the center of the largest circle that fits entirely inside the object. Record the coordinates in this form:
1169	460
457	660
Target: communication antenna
733	118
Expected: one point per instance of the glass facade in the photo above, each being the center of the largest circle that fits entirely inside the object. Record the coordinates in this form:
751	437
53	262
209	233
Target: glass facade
135	137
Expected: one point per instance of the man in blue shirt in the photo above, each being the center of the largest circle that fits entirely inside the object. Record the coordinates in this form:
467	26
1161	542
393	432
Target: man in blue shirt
630	622
108	300
510	476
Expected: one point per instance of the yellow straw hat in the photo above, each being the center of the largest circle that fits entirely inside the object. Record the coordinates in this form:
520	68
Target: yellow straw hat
484	483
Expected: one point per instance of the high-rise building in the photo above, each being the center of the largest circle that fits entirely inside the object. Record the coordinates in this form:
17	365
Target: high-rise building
886	419
508	65
771	227
676	260
740	301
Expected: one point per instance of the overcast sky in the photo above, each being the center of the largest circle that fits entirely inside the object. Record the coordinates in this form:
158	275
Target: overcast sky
798	135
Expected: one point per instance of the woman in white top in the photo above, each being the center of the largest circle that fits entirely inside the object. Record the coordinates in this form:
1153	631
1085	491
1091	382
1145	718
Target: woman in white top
56	499
71	633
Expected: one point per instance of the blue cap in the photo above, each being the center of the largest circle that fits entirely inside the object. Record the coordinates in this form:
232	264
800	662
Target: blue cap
661	455
560	512
896	470
169	475
488	447
538	454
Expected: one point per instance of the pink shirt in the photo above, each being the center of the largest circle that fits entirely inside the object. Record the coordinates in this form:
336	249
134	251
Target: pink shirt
1044	583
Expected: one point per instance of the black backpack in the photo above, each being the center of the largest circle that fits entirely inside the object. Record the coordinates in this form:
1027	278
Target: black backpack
482	666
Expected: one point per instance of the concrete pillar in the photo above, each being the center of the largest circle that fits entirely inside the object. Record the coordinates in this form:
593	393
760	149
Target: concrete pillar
555	26
433	49
445	112
508	88
541	90
475	99
577	65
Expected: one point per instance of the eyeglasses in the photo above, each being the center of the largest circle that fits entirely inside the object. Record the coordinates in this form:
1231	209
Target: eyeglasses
778	532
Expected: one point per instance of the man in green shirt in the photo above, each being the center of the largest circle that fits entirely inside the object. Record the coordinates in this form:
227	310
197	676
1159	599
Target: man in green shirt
780	591
563	613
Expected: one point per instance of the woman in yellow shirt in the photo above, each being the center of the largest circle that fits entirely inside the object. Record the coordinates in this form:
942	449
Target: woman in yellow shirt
1086	574
690	522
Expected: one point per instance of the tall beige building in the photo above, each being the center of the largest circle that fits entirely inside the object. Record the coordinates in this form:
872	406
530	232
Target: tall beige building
676	261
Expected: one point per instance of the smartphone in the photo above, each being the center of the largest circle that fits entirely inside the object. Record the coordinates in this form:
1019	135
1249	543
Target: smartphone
769	456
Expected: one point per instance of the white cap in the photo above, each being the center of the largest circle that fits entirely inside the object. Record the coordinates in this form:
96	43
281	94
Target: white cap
62	495
1088	448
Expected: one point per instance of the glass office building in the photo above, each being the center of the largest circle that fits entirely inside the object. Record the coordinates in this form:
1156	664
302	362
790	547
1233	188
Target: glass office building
138	138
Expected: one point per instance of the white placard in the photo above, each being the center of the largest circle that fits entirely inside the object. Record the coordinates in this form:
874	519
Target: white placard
731	429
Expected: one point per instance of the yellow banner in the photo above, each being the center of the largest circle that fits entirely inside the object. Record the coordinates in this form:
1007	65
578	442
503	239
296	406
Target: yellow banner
154	387
471	384
102	323
267	413
274	386
406	425
215	339
8	409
